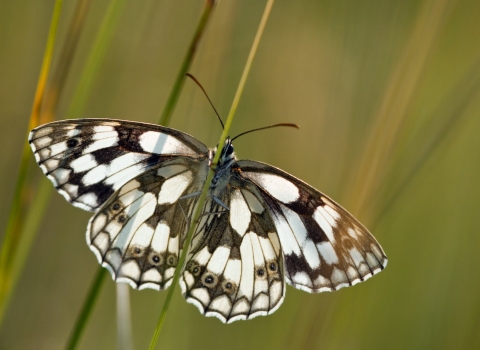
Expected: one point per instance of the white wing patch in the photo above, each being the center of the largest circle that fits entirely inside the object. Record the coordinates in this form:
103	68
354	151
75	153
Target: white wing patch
160	143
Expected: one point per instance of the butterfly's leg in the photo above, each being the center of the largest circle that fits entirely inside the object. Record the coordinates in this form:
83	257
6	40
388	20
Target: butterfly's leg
219	202
190	195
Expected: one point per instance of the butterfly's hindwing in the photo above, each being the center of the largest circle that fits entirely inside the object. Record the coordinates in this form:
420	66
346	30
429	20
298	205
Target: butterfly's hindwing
138	233
235	267
325	248
89	159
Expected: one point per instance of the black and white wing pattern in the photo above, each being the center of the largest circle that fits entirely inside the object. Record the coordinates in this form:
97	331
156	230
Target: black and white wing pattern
235	268
138	234
324	247
89	159
133	176
260	227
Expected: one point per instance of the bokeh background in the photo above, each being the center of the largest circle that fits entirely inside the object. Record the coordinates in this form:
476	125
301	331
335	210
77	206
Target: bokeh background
387	97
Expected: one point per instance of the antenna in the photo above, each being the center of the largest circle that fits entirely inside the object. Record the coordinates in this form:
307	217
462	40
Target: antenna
208	98
267	127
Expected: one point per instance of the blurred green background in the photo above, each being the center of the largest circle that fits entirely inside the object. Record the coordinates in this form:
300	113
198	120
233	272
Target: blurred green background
387	97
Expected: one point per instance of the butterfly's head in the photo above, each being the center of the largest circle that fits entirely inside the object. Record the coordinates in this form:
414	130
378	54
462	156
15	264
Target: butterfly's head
228	155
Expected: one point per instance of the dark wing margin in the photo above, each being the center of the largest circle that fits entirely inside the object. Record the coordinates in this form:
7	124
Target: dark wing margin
234	269
138	233
325	248
87	160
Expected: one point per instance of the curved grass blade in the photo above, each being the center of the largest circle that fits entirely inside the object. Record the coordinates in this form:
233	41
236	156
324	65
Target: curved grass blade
187	63
14	226
79	101
203	196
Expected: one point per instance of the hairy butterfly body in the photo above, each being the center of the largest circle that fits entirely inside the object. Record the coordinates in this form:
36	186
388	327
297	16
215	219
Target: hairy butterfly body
260	226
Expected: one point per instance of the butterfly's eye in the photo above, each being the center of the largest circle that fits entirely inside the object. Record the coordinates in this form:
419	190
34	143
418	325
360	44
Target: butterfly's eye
172	260
72	143
229	287
209	279
229	149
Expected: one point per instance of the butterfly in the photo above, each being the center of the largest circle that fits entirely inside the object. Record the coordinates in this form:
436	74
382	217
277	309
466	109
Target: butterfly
260	227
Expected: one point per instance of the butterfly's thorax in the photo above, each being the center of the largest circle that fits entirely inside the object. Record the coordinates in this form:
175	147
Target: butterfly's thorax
224	167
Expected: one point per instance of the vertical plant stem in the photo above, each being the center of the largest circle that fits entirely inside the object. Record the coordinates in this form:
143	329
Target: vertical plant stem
65	57
80	98
393	111
203	196
14	225
463	94
124	317
77	106
95	59
187	63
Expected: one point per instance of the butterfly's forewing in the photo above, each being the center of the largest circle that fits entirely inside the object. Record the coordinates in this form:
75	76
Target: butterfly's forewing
89	159
138	233
235	267
325	248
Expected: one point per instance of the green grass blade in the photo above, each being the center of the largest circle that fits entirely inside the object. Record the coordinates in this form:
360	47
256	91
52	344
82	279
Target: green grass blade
187	63
86	309
65	58
32	221
392	113
81	96
14	225
203	196
77	106
454	114
95	59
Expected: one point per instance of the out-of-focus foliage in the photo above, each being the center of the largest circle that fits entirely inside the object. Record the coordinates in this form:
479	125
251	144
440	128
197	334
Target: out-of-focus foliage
329	66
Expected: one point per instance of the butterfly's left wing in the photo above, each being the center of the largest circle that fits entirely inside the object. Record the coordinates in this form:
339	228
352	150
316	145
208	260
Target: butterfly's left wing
234	269
87	160
325	248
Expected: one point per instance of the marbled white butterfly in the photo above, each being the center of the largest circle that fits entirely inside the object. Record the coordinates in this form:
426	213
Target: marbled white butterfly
260	227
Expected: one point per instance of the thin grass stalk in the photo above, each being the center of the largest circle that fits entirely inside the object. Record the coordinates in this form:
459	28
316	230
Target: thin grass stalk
124	317
77	106
166	115
393	111
65	58
47	112
125	341
79	101
14	225
463	94
95	59
86	309
203	196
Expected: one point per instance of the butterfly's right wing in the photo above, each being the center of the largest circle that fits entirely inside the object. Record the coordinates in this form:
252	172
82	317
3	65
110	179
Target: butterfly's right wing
325	248
89	159
138	234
